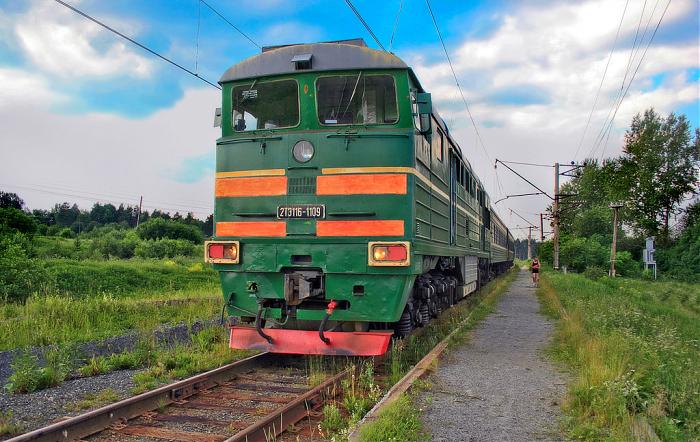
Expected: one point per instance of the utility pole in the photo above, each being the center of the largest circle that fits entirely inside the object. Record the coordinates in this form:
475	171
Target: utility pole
138	214
613	251
555	217
529	242
541	228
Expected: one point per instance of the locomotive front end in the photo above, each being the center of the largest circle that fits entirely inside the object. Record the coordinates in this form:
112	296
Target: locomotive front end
313	230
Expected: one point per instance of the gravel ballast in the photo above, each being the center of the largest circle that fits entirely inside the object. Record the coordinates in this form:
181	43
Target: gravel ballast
499	386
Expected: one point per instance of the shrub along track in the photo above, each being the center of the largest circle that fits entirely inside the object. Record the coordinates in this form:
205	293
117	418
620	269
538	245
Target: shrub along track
255	399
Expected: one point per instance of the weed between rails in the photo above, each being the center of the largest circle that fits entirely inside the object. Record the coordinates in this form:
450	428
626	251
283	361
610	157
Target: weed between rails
634	350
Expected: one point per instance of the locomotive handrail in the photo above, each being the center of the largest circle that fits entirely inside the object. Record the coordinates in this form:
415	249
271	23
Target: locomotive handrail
247	140
356	135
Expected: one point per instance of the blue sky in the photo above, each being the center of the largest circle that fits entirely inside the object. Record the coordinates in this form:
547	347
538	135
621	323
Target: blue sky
530	71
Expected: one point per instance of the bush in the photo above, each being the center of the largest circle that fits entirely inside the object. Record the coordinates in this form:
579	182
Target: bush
116	244
66	233
27	376
20	275
626	266
159	228
165	248
594	272
580	253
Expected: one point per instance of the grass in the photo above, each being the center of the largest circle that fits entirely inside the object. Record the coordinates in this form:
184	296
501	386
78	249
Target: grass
8	427
94	400
59	319
28	375
634	352
398	422
208	350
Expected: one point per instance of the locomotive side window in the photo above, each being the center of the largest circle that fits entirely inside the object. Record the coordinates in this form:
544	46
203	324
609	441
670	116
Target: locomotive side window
356	99
265	105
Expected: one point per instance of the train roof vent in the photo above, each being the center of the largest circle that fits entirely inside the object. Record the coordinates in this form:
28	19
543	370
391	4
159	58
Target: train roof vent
302	61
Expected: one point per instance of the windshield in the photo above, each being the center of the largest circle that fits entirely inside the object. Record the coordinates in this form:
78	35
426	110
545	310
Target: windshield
265	105
356	99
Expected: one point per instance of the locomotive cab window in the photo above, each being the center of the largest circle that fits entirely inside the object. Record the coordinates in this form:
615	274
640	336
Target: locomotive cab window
356	99
265	105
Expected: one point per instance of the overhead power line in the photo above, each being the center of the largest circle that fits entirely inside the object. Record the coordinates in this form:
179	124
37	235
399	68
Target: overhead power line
230	24
364	23
142	46
396	25
634	74
459	87
102	200
605	71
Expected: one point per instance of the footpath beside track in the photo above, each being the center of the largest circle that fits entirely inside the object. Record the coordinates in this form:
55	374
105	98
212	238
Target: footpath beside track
499	386
254	399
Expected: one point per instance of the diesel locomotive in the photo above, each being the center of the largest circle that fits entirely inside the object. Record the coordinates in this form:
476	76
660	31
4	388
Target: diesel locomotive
345	212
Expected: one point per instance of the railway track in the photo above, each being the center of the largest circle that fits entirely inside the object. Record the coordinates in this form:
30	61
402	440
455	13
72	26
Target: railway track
255	399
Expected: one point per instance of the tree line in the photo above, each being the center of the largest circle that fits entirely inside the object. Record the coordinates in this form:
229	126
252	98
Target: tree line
65	217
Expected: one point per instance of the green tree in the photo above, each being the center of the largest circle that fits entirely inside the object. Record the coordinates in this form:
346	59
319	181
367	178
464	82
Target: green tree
10	200
12	219
660	166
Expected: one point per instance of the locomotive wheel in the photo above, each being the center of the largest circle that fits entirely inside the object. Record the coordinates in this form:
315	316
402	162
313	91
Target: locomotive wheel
404	327
424	314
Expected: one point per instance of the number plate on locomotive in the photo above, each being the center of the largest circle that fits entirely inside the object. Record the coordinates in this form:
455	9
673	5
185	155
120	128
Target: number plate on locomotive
298	211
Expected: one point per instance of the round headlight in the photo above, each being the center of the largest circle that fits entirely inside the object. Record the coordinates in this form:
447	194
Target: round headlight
303	151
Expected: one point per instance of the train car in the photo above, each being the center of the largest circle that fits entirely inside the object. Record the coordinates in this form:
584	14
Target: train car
345	213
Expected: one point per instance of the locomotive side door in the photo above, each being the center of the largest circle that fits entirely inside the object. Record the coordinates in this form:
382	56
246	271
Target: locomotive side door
453	198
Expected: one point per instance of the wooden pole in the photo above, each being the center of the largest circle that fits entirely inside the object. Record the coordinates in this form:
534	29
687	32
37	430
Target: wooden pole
138	214
613	251
555	217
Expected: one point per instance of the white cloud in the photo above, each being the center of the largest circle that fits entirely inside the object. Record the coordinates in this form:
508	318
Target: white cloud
23	89
560	49
62	43
111	155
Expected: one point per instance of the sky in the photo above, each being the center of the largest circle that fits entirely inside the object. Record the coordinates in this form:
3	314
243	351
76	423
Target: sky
86	116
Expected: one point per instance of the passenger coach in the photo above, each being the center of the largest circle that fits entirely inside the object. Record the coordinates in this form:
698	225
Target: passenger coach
345	212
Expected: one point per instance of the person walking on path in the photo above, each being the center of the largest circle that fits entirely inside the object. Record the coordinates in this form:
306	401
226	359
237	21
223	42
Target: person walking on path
535	269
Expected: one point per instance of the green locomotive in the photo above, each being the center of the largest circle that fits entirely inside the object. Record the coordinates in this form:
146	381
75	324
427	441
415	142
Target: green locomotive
345	212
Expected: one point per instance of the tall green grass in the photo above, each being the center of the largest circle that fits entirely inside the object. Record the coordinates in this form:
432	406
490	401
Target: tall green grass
634	349
57	319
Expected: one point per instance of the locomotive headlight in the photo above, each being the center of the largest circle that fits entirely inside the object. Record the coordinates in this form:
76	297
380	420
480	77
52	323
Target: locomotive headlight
303	151
222	252
389	253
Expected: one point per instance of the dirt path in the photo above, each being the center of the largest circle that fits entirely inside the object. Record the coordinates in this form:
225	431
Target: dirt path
499	386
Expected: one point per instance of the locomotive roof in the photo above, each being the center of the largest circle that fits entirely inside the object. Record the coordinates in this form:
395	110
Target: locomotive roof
327	56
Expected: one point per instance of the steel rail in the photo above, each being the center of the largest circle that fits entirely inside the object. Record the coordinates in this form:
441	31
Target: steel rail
276	422
98	420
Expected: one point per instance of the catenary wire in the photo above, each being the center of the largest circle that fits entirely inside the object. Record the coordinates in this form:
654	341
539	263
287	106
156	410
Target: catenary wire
604	133
396	26
364	23
601	132
145	48
87	198
459	87
230	24
641	60
102	196
641	40
605	71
